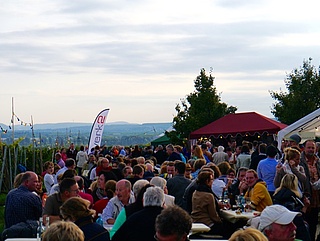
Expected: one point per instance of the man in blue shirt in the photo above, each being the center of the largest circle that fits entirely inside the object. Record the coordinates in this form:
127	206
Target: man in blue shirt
23	203
267	168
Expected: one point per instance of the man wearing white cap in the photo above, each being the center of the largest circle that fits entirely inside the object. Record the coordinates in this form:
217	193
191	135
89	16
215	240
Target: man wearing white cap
276	222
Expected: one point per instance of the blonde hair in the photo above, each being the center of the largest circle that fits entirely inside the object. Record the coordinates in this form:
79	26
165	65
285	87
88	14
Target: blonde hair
289	181
63	231
248	234
17	180
197	152
75	208
291	153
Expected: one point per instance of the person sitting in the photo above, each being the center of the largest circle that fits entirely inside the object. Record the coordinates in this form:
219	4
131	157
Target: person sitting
21	203
276	223
115	205
173	223
218	186
82	194
289	196
48	177
167	170
257	191
205	208
162	183
137	174
99	193
248	234
139	189
68	188
187	196
141	225
63	231
77	210
110	189
69	165
234	188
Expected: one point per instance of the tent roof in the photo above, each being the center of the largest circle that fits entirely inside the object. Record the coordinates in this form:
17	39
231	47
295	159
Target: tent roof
239	123
307	127
162	140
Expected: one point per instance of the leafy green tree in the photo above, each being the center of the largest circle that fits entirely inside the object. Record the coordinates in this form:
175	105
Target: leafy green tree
302	95
200	107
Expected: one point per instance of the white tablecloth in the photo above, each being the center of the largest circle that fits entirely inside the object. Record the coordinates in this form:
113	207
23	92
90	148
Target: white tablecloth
233	217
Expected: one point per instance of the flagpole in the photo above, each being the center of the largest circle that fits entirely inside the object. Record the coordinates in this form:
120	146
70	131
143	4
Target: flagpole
33	150
12	120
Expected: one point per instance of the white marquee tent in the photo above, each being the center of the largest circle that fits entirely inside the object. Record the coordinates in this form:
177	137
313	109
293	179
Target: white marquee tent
307	127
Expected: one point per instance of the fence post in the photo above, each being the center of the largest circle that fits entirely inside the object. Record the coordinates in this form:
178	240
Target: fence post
3	165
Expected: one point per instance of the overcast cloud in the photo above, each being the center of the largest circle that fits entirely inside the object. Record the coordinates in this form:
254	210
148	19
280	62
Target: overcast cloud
65	61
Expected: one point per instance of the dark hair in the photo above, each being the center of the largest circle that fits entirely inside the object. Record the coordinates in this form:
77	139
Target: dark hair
110	188
245	149
108	176
137	169
70	162
66	184
203	177
224	167
180	167
69	174
173	220
271	151
216	171
80	182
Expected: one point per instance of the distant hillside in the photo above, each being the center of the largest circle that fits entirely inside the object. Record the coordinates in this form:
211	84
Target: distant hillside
121	133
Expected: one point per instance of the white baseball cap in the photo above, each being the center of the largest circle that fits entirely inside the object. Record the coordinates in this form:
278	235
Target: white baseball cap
276	214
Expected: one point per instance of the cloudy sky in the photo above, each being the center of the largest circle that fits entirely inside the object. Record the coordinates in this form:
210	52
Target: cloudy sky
65	61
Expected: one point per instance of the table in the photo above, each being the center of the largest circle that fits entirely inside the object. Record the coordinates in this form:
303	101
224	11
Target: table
233	217
199	228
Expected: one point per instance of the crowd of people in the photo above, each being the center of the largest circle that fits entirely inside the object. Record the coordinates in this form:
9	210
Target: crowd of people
156	194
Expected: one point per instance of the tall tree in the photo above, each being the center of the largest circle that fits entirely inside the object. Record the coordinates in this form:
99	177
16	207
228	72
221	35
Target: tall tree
200	107
302	95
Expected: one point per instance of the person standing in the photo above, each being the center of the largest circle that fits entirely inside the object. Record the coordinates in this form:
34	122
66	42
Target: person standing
81	159
267	168
72	152
311	164
22	203
177	185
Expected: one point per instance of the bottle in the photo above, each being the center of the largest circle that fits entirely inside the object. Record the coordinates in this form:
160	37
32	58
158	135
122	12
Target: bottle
99	220
39	229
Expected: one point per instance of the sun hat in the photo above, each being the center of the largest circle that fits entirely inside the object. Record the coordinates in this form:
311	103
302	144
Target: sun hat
296	138
276	214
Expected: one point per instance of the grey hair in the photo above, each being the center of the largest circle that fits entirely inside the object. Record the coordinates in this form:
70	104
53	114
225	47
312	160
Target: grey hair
154	196
138	185
158	182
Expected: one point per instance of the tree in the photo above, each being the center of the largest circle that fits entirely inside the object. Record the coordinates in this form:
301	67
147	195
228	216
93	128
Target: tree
302	96
200	107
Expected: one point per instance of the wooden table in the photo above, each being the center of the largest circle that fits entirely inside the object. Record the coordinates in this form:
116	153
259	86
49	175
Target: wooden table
233	217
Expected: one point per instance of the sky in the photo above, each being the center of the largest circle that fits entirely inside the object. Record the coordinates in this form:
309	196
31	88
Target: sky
65	61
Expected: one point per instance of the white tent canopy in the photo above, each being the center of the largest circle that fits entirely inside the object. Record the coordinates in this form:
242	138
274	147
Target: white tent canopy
307	127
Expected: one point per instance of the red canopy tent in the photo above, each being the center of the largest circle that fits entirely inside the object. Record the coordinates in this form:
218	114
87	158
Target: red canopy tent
247	123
